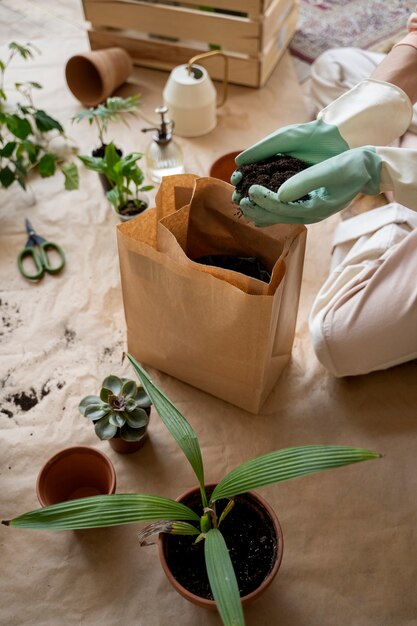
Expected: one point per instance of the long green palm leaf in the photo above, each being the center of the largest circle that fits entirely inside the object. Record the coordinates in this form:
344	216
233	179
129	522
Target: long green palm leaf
176	423
284	464
99	511
222	579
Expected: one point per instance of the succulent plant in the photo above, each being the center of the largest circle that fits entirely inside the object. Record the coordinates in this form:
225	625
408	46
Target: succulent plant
122	408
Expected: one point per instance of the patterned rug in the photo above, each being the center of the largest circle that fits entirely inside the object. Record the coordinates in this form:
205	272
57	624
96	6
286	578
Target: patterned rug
368	24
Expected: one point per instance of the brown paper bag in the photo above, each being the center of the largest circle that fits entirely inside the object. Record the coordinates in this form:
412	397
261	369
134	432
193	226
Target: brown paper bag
221	331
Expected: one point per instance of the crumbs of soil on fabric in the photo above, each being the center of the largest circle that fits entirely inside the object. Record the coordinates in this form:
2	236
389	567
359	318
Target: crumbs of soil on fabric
69	335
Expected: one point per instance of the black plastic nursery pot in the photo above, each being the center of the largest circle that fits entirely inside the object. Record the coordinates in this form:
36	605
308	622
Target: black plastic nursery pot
99	152
254	539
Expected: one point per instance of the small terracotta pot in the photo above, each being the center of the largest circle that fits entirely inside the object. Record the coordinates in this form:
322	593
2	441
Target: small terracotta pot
126	447
75	473
210	604
94	76
224	167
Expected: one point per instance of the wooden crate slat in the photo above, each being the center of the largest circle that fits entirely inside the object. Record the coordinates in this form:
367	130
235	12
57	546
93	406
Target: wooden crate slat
278	47
231	33
161	55
252	7
274	19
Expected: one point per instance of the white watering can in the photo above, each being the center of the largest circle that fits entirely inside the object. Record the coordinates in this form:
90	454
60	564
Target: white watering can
191	97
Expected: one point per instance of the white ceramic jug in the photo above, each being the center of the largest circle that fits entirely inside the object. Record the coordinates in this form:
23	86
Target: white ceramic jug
191	97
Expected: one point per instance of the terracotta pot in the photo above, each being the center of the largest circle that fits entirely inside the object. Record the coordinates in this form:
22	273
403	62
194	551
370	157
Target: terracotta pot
210	604
75	473
224	167
126	447
94	76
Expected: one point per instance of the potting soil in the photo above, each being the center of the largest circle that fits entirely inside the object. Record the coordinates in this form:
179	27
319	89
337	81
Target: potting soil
270	173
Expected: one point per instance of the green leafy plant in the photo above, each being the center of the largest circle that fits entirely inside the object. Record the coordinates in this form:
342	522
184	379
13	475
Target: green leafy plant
115	109
26	131
121	409
272	467
124	175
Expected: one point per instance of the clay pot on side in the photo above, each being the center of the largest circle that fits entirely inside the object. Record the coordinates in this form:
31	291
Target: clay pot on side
94	76
99	152
257	505
76	472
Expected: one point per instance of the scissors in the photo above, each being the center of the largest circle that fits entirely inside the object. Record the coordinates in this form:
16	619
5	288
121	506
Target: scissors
37	248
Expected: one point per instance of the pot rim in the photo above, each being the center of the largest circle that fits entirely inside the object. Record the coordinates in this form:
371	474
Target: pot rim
211	604
46	467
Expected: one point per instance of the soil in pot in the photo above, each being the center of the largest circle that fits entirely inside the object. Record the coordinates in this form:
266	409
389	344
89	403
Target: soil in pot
132	208
250	537
250	266
99	152
270	173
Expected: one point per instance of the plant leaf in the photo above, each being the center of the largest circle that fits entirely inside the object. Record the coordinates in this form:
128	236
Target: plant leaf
8	149
142	399
136	418
169	527
24	51
127	433
117	419
96	164
129	389
87	401
72	179
99	511
176	423
285	464
45	122
104	429
96	411
222	579
46	165
7	177
113	384
18	126
114	197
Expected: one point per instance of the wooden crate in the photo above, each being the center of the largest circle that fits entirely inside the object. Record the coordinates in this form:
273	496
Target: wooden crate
162	35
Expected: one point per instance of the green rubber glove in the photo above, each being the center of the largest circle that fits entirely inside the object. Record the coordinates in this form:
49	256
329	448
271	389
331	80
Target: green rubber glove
311	142
330	186
372	113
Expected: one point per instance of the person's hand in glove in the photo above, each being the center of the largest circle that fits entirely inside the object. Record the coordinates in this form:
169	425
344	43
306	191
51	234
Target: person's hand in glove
327	187
373	112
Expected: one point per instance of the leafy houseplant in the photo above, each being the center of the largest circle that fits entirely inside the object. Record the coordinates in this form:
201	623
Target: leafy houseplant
179	519
125	178
115	109
26	133
120	414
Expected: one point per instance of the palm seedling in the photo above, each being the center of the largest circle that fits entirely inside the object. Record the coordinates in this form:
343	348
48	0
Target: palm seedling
177	518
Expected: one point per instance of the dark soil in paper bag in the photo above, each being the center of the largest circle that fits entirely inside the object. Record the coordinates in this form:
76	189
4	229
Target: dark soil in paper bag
250	266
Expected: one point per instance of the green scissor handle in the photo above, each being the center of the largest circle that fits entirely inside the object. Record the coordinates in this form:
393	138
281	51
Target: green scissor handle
46	246
41	260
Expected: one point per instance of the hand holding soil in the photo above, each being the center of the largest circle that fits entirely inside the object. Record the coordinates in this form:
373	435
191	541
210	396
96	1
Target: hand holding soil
270	173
